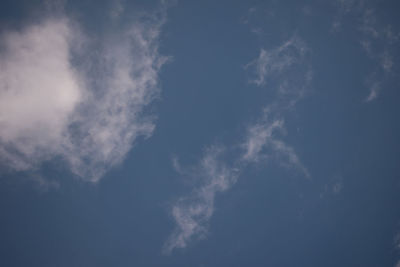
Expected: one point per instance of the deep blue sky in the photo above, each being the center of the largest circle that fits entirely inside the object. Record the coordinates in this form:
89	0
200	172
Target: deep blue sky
322	190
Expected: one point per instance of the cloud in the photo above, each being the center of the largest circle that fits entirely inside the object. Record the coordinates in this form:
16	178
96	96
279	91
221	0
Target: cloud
66	96
192	213
260	135
261	143
375	88
379	41
396	241
386	61
344	7
283	70
333	187
337	188
273	62
39	90
117	8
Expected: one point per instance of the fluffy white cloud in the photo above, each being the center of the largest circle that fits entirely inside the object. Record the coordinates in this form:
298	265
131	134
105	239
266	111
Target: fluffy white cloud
39	91
63	95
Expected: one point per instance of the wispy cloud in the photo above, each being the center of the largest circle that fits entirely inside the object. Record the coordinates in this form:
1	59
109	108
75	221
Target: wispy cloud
193	212
283	70
333	187
378	40
374	89
344	7
66	96
259	136
117	8
262	143
273	62
287	66
396	241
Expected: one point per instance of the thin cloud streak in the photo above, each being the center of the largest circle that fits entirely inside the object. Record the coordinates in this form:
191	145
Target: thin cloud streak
261	143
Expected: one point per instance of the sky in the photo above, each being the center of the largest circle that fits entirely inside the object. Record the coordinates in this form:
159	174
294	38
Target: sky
199	133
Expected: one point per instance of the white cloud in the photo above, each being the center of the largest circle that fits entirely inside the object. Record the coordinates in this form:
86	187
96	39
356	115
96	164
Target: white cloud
273	62
260	135
287	66
63	95
192	213
379	41
262	142
288	156
374	88
283	70
39	91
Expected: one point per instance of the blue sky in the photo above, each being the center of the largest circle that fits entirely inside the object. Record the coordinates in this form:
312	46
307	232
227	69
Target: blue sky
199	133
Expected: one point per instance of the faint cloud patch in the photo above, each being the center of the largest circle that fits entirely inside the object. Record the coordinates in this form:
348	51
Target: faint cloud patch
333	187
283	70
379	41
273	62
117	8
337	188
396	241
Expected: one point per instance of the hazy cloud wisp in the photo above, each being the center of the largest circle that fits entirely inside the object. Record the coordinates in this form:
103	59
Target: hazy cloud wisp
192	213
262	142
378	40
